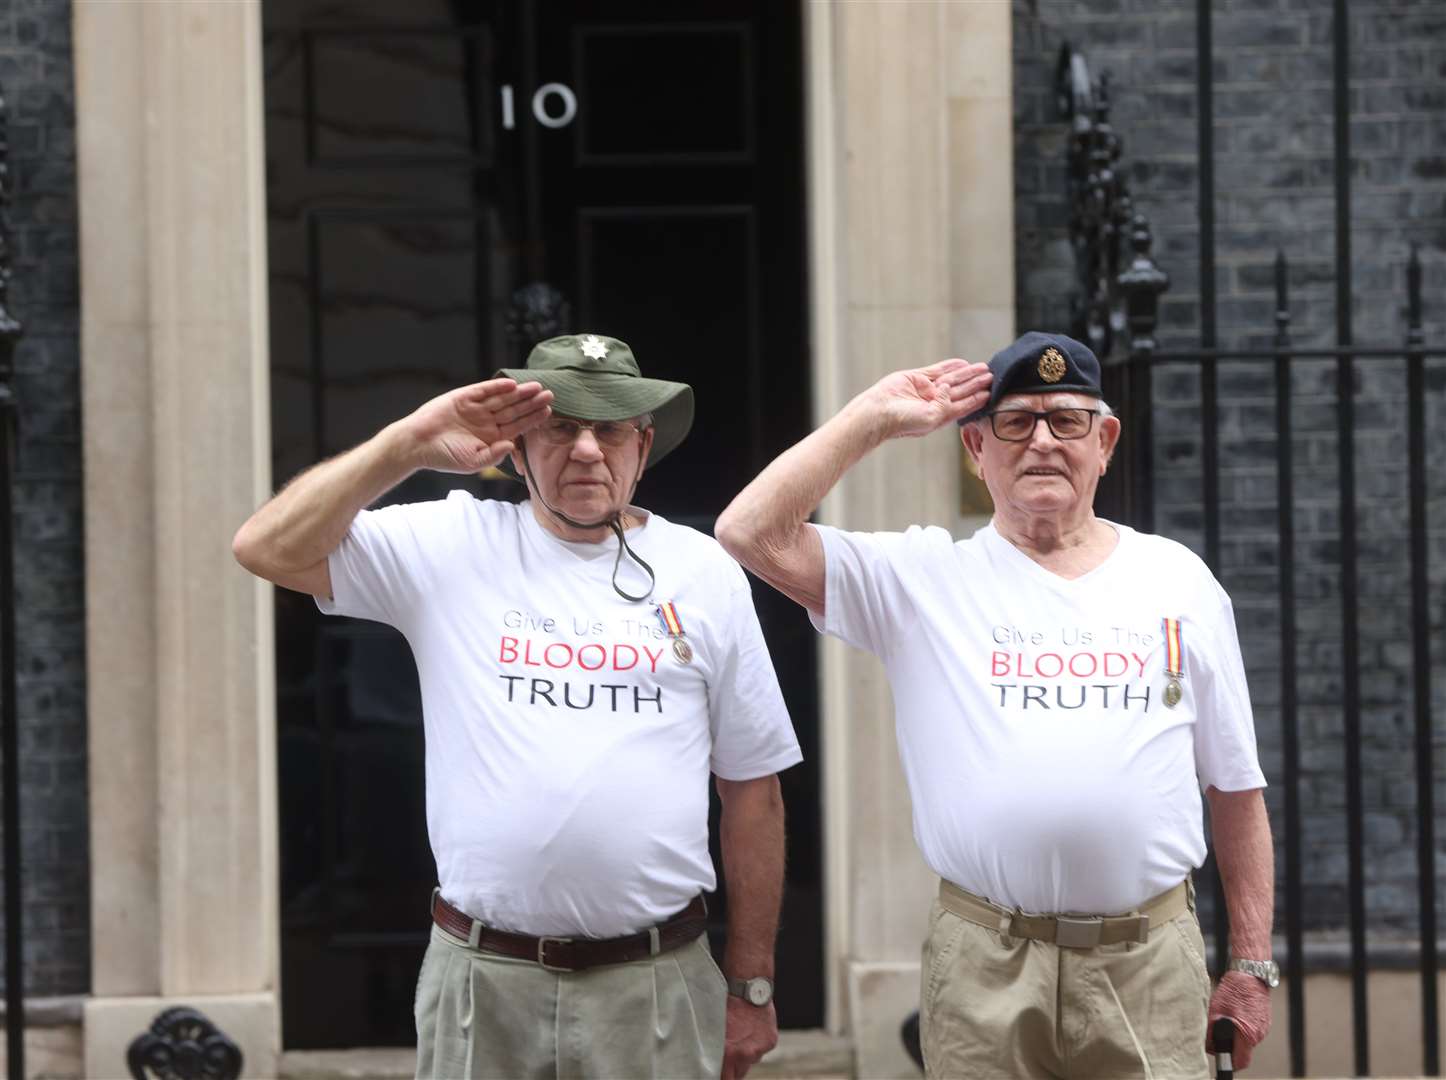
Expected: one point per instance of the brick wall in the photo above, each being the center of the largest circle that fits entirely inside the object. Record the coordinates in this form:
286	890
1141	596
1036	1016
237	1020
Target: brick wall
1275	190
36	76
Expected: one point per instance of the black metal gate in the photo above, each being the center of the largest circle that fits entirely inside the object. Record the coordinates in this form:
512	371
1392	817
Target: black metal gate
1118	305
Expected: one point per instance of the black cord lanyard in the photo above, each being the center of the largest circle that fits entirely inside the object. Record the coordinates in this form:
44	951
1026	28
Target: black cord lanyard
612	521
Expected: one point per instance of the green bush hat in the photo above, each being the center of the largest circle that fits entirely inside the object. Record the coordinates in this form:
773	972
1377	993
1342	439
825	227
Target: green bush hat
594	377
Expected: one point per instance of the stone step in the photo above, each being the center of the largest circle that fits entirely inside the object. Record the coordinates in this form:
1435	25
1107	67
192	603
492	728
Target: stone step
799	1055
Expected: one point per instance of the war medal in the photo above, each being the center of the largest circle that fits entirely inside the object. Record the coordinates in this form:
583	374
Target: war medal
668	616
1174	663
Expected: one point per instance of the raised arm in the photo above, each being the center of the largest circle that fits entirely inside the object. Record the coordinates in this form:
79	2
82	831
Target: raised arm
766	526
290	538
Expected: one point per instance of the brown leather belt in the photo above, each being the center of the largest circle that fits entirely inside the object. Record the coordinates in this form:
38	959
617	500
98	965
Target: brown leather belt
573	954
1070	931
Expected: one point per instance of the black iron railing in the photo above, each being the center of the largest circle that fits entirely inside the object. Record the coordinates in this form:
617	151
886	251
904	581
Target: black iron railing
1105	294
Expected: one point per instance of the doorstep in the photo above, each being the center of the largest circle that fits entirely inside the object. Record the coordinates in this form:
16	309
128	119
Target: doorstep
799	1055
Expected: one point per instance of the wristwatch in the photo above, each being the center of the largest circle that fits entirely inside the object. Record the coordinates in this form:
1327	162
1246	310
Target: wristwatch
757	991
1267	971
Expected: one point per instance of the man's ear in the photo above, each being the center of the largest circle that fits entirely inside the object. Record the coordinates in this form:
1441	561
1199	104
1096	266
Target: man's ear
1109	439
973	440
518	461
647	448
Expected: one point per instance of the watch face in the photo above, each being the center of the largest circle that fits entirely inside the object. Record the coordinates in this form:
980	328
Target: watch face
760	993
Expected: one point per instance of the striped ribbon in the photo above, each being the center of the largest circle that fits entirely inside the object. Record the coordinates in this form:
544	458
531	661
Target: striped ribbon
1174	649
668	616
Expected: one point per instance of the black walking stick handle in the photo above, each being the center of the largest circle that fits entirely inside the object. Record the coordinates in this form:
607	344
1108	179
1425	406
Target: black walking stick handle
1224	1038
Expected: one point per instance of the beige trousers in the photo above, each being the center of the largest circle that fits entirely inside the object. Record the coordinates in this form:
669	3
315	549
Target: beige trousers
992	1010
481	1015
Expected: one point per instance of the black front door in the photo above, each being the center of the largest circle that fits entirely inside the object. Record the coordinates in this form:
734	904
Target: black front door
442	190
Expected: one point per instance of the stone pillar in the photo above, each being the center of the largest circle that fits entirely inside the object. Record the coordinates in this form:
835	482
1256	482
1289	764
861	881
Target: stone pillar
177	451
911	205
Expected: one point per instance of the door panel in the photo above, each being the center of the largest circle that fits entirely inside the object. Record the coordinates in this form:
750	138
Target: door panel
695	322
397	311
646	120
398	97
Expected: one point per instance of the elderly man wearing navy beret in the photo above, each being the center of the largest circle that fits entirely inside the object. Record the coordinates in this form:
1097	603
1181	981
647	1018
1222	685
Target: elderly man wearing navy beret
1064	689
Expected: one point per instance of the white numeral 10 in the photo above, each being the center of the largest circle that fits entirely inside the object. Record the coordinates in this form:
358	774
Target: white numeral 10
540	106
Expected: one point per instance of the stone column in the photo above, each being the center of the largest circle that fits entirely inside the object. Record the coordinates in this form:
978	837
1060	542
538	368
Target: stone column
177	451
911	205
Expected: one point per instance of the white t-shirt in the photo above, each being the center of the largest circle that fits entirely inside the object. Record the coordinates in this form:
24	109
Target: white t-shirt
568	751
1046	771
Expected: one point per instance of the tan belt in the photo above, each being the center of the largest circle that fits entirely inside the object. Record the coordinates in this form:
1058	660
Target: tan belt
1069	931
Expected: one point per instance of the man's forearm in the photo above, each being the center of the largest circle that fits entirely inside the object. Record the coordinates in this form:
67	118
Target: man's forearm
751	838
781	497
1246	858
308	519
761	525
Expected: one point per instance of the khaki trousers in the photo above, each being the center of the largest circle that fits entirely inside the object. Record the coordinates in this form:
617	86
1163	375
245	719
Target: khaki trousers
993	1009
481	1015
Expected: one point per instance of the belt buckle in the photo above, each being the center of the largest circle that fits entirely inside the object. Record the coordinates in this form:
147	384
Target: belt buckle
542	955
1077	933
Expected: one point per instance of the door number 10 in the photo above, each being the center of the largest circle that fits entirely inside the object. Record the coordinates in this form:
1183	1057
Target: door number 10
541	102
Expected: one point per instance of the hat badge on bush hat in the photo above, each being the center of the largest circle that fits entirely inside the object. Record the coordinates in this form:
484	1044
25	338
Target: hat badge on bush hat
596	377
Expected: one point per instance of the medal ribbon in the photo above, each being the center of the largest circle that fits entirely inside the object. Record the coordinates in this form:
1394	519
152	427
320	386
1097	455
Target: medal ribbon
1174	649
668	616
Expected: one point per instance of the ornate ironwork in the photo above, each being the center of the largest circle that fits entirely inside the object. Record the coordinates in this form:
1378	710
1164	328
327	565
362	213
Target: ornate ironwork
537	311
1141	284
1103	220
183	1045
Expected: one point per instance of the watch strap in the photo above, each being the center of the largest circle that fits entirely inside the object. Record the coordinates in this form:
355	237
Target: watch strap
1267	971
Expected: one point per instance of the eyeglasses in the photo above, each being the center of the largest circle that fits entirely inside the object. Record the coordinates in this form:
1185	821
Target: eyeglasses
562	431
1017	425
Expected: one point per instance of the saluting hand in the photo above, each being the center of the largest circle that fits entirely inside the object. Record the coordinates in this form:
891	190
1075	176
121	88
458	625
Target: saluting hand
916	402
469	428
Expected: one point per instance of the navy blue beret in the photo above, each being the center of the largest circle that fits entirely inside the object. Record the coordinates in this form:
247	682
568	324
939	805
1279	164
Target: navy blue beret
1041	364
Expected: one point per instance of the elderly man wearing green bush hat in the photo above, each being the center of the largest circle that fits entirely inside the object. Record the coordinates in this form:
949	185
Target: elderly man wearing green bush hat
585	665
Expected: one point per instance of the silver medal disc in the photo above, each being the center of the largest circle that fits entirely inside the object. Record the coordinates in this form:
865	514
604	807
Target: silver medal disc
1173	693
683	651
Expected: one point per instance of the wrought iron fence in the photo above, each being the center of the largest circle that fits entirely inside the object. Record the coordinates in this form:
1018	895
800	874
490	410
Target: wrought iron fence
1119	302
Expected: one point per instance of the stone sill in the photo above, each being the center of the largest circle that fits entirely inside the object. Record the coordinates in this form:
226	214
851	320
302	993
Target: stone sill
44	1012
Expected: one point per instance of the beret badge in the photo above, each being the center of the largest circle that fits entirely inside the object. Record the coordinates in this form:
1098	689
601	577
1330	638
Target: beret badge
1051	365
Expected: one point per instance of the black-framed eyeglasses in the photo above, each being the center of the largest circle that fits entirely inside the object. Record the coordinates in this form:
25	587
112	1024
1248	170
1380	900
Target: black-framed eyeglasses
1017	425
563	431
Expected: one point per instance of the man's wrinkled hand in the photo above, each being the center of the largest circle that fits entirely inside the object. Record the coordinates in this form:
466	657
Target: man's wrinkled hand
471	427
751	1032
916	402
1245	1000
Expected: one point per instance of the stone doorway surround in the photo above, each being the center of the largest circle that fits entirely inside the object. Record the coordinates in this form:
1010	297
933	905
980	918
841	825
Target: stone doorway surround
177	454
912	260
